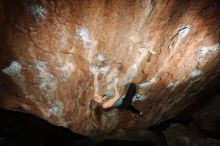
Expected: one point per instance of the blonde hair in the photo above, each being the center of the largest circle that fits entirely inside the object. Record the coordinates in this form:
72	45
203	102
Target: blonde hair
95	114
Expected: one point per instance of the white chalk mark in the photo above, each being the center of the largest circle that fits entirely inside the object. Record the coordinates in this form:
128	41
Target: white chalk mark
83	34
100	58
207	52
104	70
183	32
203	51
173	85
13	69
153	52
216	48
89	44
140	97
62	35
180	35
46	80
54	110
195	73
94	69
67	69
147	84
38	12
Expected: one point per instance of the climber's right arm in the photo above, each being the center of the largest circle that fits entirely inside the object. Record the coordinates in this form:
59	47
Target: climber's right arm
96	86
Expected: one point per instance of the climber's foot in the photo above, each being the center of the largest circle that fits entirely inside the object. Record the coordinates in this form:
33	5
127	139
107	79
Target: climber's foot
141	114
137	96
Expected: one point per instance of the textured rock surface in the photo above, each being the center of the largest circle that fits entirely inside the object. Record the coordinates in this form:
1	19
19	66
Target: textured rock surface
180	135
49	50
208	118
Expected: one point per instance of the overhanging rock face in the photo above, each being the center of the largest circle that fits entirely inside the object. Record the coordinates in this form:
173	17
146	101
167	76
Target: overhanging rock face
49	50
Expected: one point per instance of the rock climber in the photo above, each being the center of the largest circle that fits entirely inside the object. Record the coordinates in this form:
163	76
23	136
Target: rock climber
106	101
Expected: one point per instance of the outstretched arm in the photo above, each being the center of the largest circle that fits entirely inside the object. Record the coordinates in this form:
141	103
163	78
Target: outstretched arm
96	86
112	101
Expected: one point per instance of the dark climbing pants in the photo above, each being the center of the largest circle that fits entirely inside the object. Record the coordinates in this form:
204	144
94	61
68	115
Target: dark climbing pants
127	101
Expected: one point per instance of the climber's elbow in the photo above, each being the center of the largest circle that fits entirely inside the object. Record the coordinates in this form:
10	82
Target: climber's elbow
110	102
106	105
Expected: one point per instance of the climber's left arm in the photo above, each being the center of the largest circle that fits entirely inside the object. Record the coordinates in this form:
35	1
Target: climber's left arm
111	102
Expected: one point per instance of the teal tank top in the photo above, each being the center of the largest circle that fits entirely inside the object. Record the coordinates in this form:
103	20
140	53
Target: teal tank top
118	102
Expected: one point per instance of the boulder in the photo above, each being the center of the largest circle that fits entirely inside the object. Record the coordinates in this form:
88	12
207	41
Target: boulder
50	50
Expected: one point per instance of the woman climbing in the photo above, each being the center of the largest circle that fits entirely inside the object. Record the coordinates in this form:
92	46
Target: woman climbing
105	101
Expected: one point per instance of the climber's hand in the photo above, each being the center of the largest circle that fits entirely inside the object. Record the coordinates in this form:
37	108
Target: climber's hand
96	74
116	82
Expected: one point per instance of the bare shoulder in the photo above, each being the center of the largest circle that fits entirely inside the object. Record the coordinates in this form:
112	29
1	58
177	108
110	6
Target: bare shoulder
106	105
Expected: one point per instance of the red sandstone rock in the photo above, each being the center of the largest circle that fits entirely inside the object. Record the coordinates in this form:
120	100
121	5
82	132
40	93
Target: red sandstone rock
49	49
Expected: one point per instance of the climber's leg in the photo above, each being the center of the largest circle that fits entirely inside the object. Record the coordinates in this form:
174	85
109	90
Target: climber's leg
134	110
127	101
